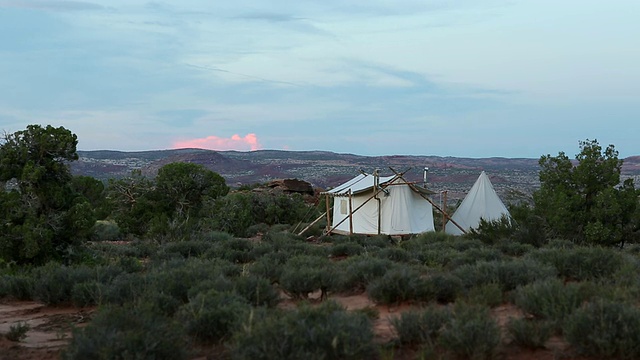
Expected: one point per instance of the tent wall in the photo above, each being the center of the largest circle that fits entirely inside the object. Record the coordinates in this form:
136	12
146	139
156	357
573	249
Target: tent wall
482	202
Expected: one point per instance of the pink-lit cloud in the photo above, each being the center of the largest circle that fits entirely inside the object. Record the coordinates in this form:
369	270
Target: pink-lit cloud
235	142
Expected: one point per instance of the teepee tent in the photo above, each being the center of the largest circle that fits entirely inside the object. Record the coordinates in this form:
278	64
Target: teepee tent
371	205
482	201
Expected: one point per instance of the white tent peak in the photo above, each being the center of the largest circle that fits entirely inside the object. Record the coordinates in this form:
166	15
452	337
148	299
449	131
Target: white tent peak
482	202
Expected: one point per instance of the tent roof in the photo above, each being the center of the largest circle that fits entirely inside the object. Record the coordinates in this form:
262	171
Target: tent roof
360	183
364	182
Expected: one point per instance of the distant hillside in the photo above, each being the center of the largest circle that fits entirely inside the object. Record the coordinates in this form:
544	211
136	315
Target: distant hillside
512	178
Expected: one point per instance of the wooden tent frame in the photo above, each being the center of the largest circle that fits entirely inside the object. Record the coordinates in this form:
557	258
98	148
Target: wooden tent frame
377	190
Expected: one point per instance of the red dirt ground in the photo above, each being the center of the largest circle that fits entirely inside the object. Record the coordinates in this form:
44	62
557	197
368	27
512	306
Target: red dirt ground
49	333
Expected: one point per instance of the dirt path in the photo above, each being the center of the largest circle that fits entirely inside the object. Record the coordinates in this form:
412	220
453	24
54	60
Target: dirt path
49	333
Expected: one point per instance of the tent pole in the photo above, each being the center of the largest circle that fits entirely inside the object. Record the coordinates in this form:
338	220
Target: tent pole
310	225
326	200
350	214
376	184
444	205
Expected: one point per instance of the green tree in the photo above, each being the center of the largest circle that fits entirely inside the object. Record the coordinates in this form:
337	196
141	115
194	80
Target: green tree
167	205
132	203
584	200
182	187
93	191
42	217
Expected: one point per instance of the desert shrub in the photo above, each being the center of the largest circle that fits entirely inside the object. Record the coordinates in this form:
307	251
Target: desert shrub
395	254
54	282
421	326
471	333
158	303
104	230
125	288
508	274
372	242
261	249
487	295
257	291
549	299
346	249
177	277
358	271
129	264
238	251
269	266
144	248
18	286
127	333
431	237
529	333
463	243
340	239
184	249
560	244
605	329
293	244
304	274
397	285
437	257
18	331
512	248
116	250
474	255
213	316
492	231
256	229
582	263
323	332
280	237
217	282
441	287
530	229
216	236
88	293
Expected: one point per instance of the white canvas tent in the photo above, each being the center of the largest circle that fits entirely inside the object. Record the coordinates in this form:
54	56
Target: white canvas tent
374	205
482	201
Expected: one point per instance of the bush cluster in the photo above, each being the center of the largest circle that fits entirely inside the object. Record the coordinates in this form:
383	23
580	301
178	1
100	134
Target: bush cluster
605	329
471	333
323	332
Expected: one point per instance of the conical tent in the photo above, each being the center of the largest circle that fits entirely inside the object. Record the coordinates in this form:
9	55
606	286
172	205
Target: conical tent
399	209
482	202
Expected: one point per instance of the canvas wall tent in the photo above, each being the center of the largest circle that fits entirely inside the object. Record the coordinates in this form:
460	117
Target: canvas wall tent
482	201
374	205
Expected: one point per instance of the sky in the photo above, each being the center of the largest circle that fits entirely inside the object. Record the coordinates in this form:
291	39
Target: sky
466	78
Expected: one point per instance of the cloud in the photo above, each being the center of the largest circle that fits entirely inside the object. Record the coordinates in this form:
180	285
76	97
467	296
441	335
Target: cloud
235	142
269	17
52	5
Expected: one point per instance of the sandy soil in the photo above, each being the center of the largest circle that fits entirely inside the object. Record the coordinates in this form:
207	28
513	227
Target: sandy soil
49	333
